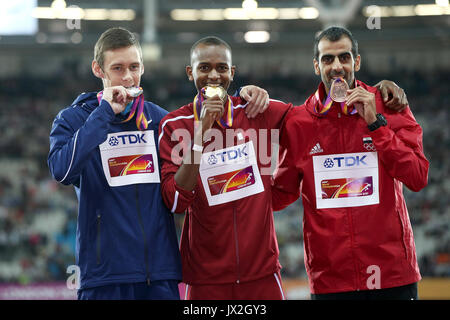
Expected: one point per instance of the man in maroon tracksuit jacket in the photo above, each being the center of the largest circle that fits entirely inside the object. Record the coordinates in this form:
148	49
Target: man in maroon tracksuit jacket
228	244
349	157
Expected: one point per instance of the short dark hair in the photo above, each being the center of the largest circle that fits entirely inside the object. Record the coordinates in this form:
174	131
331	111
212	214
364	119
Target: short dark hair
210	41
334	34
114	38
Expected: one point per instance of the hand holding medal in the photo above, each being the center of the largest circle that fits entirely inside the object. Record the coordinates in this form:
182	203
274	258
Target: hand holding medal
213	104
363	102
216	110
119	97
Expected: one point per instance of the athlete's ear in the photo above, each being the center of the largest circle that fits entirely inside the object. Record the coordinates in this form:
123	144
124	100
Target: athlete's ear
357	63
316	67
97	70
233	70
189	73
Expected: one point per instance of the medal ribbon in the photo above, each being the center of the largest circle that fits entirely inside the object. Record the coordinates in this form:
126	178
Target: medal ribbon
198	101
138	104
324	108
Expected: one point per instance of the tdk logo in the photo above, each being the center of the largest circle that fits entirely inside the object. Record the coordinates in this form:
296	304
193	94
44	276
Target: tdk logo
113	141
328	163
229	155
127	139
345	161
212	160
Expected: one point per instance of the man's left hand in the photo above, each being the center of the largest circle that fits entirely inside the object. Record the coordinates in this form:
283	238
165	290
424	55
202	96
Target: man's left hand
394	97
257	98
364	102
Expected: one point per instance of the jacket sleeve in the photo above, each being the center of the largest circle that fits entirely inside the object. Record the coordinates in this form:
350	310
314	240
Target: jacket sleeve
171	146
287	177
276	113
71	144
400	147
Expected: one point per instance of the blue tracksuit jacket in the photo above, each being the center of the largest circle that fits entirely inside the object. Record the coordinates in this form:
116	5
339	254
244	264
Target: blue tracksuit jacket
125	234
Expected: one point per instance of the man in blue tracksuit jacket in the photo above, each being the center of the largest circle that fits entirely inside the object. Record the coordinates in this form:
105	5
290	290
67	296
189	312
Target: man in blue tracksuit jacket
105	144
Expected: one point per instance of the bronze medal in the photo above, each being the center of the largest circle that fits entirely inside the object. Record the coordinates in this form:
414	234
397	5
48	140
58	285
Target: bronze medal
338	90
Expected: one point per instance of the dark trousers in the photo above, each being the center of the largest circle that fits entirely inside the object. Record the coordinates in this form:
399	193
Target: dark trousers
157	290
407	292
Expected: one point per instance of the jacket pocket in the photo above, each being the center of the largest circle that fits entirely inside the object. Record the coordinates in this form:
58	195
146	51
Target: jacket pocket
98	240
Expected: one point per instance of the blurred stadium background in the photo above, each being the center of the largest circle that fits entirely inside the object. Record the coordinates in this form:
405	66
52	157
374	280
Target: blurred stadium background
46	49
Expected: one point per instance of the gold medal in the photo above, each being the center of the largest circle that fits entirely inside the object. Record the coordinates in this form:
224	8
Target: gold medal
338	90
211	91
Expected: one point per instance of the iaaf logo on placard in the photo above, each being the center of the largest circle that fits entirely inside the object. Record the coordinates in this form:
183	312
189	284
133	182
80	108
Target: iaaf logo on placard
127	139
349	161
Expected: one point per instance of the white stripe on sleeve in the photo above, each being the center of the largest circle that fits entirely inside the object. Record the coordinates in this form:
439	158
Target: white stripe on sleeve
170	120
71	160
175	202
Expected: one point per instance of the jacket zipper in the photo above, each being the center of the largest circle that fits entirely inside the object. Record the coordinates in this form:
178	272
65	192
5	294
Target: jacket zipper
236	242
138	208
352	245
98	237
350	220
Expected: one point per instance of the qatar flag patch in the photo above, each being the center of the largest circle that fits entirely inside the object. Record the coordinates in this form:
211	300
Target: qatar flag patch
368	144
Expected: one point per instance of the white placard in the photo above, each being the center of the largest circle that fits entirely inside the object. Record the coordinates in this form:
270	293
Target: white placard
230	174
346	180
130	157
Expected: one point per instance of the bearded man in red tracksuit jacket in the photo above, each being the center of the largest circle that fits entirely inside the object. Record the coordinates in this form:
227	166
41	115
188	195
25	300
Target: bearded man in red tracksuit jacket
228	245
349	160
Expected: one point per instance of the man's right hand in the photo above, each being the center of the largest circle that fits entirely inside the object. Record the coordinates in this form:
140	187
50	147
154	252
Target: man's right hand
118	97
394	97
212	110
187	173
257	98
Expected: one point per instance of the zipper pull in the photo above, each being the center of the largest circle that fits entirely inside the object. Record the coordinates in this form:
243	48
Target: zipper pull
148	281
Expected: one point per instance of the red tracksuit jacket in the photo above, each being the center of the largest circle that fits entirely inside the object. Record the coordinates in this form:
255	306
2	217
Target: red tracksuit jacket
234	241
351	239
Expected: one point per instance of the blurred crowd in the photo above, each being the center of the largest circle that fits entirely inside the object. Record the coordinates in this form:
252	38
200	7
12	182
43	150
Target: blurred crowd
38	215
